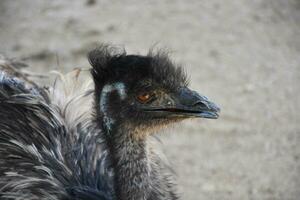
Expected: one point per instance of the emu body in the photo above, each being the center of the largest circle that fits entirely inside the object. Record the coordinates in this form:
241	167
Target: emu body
51	148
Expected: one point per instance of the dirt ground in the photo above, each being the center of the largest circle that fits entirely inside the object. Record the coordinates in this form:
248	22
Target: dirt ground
244	55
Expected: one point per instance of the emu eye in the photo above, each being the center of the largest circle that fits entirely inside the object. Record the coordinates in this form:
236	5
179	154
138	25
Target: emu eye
144	97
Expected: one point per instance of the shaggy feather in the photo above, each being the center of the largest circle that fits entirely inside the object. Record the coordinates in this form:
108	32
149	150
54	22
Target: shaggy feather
72	98
39	158
53	151
53	145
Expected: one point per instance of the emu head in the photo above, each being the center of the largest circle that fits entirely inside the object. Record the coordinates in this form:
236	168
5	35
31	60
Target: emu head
145	92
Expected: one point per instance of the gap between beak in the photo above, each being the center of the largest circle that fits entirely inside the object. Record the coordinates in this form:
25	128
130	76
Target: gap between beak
189	104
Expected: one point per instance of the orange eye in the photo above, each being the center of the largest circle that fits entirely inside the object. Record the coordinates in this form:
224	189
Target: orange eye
143	98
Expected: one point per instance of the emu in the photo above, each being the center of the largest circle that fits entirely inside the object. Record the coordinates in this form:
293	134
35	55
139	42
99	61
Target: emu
94	143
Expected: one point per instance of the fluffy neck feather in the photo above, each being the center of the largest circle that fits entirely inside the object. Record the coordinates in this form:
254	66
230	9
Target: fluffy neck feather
128	152
130	160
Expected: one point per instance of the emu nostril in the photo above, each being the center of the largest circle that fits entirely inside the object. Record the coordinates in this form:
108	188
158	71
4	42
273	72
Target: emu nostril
201	104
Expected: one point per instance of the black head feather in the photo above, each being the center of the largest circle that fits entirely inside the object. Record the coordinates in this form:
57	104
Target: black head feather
110	64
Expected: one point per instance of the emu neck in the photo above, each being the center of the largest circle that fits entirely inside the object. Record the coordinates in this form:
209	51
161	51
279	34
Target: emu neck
131	165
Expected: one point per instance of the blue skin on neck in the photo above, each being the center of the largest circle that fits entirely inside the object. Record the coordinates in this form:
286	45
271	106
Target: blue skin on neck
107	89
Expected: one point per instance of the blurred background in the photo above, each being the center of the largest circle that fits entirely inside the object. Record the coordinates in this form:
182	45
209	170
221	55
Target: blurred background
244	55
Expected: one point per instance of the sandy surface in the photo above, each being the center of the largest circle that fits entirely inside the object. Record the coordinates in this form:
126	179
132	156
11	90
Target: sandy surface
245	55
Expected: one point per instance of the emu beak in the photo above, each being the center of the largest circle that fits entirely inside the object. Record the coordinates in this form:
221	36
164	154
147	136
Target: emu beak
186	104
191	104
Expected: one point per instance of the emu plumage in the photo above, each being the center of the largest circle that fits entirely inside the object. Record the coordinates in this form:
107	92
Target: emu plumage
94	145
